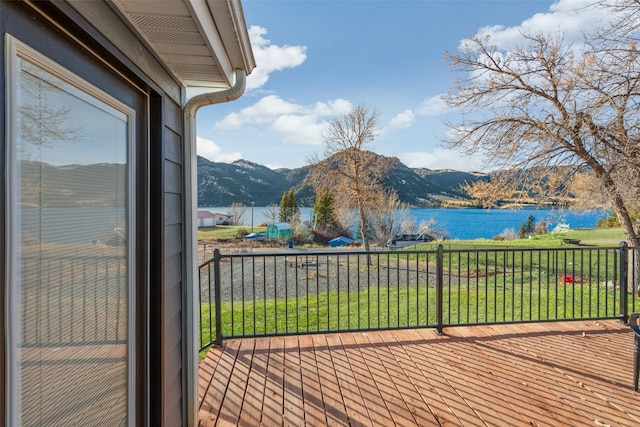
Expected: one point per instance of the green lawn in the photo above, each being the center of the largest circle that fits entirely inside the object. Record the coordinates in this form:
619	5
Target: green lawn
587	237
227	231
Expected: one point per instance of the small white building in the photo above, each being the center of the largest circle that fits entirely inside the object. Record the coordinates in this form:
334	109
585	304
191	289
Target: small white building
210	219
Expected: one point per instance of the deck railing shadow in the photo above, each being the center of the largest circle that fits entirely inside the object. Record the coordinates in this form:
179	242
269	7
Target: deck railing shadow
309	292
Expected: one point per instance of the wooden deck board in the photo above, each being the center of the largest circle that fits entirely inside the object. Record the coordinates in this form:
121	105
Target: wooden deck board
293	404
505	400
385	342
421	380
311	393
273	405
491	408
370	350
234	396
331	395
252	406
425	354
373	403
562	358
216	386
541	374
505	375
351	394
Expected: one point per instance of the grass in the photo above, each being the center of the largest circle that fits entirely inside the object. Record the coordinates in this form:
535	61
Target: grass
588	237
227	231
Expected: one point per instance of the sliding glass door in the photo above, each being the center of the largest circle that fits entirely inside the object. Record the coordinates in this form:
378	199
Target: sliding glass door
70	244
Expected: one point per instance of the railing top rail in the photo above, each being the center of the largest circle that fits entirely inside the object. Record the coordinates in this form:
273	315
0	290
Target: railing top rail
294	252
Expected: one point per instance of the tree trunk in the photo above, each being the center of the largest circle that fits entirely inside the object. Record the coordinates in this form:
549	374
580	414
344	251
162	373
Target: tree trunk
632	240
364	231
625	221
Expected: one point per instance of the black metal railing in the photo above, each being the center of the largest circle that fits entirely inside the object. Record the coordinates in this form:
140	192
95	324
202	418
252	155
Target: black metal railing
73	300
305	292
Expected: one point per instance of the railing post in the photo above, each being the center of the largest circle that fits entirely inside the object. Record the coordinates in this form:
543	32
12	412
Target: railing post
439	280
217	295
624	282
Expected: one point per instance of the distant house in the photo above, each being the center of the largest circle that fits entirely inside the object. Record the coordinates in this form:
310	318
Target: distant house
210	219
279	230
206	219
340	241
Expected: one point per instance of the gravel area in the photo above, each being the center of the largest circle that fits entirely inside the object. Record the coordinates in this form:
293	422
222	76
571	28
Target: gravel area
298	273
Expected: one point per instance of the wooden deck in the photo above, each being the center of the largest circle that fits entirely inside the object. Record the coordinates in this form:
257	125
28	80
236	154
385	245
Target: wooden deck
551	374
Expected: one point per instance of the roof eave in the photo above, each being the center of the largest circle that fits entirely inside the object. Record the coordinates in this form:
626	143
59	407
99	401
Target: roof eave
200	42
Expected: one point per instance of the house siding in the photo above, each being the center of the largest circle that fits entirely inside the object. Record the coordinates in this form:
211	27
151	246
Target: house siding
174	385
103	32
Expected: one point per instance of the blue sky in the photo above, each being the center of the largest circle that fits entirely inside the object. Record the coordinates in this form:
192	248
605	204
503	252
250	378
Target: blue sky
318	59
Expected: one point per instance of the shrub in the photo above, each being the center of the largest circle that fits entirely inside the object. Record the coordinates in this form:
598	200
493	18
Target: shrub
507	234
241	233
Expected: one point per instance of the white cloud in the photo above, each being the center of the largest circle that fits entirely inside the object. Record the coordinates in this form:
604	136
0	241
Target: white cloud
433	106
571	18
295	123
337	107
212	151
401	120
442	158
265	111
304	129
270	57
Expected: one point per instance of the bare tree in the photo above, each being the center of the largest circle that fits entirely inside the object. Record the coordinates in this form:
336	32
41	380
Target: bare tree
390	218
349	170
237	212
548	104
431	228
272	213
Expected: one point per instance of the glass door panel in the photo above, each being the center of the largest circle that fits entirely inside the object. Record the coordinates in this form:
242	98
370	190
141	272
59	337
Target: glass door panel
70	227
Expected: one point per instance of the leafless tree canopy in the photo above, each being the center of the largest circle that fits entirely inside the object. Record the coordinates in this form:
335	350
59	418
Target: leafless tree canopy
548	103
272	212
391	217
237	212
349	170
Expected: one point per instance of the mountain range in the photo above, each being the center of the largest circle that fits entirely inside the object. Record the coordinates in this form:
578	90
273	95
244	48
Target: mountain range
221	184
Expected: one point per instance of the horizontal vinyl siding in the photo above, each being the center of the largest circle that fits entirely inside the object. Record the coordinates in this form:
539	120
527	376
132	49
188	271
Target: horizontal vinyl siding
173	273
174	316
173	147
173	374
172	206
173	117
173	240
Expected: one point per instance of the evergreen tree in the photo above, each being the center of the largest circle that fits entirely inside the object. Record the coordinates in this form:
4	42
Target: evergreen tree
527	228
323	210
292	207
289	209
283	208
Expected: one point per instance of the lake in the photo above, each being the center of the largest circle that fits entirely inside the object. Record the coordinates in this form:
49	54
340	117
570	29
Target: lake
465	224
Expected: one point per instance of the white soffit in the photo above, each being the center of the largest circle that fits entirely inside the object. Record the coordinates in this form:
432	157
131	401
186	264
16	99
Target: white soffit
201	42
